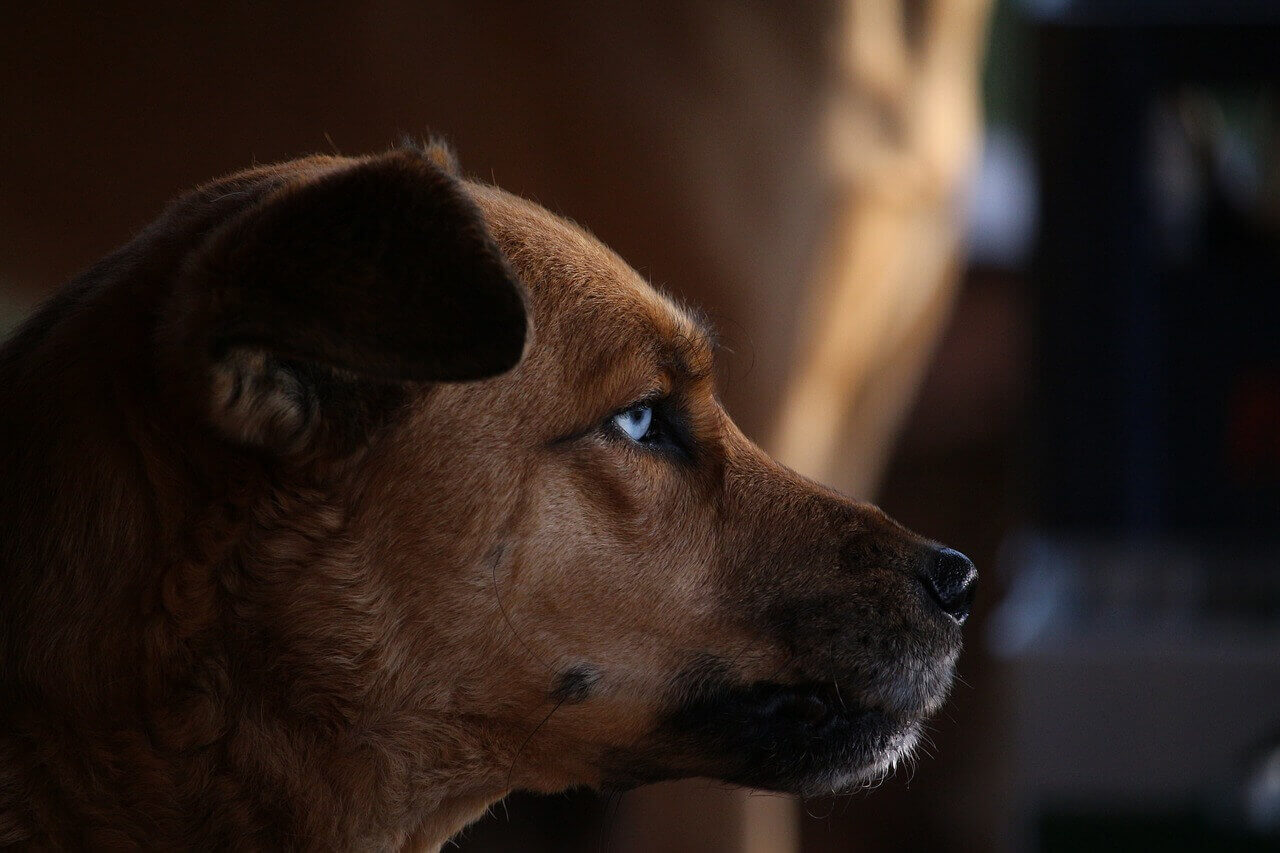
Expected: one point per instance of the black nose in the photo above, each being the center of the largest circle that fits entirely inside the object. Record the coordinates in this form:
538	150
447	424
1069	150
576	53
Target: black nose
951	579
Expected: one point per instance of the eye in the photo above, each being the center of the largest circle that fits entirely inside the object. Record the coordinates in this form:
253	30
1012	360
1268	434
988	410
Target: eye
635	422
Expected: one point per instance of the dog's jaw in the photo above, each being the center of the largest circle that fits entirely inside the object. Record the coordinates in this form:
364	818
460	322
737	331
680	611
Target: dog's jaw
445	821
899	751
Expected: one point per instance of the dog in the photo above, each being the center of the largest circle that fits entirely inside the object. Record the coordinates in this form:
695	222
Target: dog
353	494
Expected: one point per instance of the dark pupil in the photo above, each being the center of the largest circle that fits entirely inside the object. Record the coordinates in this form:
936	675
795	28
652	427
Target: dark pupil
636	416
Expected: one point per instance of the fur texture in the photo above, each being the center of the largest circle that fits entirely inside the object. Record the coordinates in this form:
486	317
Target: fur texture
275	578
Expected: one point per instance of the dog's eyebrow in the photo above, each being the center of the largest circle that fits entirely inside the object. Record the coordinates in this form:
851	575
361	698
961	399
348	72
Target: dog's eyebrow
689	357
704	330
702	323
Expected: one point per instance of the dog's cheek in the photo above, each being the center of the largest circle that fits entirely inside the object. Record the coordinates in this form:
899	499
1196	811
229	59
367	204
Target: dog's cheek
620	572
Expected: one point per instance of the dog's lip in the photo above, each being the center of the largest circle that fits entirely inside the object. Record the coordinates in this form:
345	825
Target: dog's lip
816	705
802	737
817	711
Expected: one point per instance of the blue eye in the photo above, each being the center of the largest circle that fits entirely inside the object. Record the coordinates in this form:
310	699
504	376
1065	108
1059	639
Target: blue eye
635	422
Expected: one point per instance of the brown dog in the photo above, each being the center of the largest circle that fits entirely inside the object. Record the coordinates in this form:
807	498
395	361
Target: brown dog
275	575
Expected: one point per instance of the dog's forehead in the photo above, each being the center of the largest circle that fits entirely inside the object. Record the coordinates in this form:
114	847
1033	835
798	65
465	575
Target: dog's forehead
572	277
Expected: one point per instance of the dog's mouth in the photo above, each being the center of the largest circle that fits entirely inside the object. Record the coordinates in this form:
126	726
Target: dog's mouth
807	738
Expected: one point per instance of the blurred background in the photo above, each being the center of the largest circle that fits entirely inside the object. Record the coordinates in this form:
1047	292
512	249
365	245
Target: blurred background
1010	269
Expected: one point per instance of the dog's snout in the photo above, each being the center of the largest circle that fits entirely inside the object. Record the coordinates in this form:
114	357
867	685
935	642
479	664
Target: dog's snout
951	578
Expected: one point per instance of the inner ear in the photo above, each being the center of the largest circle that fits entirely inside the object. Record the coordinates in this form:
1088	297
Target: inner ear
316	306
291	406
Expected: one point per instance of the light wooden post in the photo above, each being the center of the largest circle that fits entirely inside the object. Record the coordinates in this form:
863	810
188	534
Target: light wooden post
905	123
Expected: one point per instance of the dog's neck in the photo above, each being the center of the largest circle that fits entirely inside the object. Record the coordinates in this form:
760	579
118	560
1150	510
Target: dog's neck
446	821
280	755
173	703
225	727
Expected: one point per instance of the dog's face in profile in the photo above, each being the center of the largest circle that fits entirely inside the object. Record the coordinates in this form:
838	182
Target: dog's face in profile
670	599
478	516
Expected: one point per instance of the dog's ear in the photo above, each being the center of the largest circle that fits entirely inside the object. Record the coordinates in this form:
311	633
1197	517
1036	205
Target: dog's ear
317	305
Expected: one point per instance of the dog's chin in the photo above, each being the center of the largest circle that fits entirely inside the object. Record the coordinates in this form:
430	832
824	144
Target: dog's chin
803	739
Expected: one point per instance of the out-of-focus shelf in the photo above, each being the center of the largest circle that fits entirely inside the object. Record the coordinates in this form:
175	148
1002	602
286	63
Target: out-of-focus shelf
1141	673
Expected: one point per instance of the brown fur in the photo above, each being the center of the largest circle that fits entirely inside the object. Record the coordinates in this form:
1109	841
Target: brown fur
274	578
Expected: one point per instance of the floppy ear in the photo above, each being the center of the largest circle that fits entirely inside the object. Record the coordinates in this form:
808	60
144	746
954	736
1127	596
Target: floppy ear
319	302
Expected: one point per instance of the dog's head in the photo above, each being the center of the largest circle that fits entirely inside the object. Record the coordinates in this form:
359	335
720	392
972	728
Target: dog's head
668	599
488	512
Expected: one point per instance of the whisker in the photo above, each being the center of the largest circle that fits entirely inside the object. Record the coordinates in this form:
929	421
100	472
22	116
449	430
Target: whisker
839	696
516	758
497	596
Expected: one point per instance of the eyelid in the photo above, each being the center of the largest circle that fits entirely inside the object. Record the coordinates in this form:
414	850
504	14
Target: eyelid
653	400
652	391
668	419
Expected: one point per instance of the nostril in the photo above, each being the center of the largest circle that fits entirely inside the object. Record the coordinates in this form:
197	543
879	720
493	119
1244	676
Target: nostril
950	580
